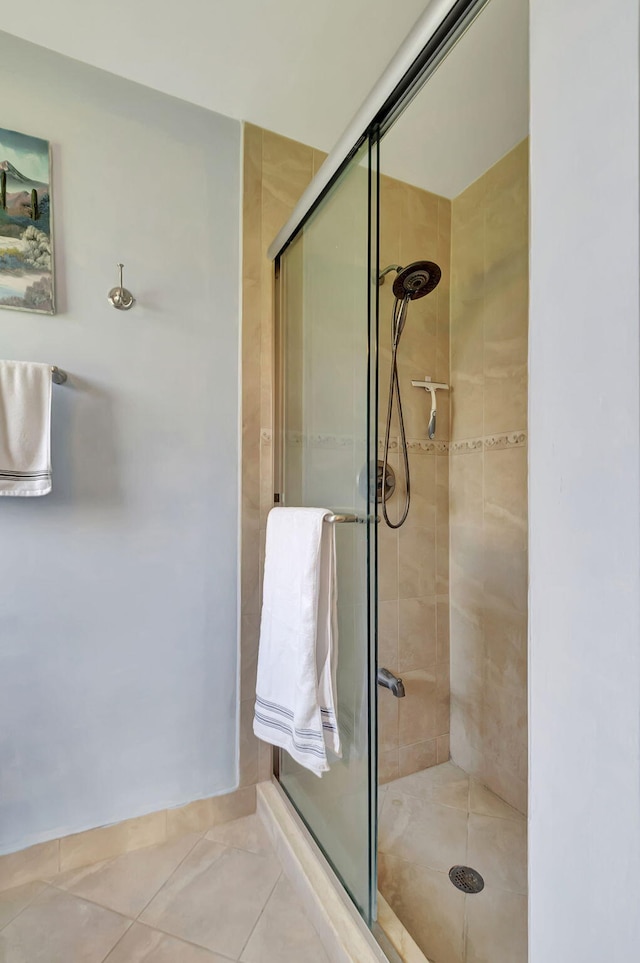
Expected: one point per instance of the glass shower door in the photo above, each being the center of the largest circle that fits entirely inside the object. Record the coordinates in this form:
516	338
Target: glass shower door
327	378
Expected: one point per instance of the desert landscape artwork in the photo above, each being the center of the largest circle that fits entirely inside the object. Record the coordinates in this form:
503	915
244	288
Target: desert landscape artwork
26	242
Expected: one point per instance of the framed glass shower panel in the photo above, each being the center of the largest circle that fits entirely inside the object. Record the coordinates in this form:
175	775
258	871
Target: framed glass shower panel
327	455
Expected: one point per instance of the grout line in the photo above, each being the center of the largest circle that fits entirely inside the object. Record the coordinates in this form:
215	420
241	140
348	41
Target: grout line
465	928
158	928
33	898
117	943
419	742
181	939
92	902
261	914
154	929
109	909
162	885
82	899
466	856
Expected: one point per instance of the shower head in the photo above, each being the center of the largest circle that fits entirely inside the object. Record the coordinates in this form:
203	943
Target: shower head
416	280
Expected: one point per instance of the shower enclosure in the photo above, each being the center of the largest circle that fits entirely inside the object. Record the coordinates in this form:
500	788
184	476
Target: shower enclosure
401	408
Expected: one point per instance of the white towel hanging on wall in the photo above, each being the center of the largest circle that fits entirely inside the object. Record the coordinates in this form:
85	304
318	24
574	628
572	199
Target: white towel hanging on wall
25	428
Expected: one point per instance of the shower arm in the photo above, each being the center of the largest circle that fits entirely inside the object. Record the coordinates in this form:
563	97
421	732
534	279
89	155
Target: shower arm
392	267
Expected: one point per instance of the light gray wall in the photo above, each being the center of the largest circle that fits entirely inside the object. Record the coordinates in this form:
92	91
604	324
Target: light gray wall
584	483
118	591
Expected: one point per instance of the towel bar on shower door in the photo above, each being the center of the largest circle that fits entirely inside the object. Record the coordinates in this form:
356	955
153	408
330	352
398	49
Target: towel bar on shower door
341	518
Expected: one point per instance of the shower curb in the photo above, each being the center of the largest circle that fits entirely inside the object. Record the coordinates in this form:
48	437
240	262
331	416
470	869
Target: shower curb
342	931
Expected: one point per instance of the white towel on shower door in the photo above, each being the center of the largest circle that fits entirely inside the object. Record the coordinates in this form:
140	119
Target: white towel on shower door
297	658
25	428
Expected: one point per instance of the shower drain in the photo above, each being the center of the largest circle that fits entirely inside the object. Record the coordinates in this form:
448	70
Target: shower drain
466	879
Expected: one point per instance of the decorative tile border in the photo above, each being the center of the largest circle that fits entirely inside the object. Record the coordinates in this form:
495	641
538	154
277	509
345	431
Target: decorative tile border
415	446
512	439
419	446
466	446
296	439
509	439
333	441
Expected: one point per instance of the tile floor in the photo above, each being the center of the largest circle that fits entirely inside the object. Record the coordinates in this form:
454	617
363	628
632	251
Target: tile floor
429	822
202	898
221	896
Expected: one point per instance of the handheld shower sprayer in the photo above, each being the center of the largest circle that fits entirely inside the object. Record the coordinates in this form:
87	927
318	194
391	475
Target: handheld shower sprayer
431	430
411	283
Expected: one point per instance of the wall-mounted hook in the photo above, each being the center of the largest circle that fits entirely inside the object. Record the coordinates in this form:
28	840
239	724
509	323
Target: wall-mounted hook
119	297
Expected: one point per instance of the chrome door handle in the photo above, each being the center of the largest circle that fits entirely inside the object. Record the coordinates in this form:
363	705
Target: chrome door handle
339	518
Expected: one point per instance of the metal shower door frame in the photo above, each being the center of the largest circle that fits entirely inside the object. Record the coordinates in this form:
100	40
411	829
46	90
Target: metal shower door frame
371	519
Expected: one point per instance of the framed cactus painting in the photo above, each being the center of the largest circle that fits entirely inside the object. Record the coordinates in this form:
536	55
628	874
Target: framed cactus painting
26	241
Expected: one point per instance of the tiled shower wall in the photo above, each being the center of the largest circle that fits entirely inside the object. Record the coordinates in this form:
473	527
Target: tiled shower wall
414	560
488	473
415	225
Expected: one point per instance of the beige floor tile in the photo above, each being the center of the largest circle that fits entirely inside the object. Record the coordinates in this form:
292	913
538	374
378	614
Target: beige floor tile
486	803
428	905
422	832
141	944
247	833
496	927
413	841
498	850
283	932
60	928
445	784
127	883
215	897
13	901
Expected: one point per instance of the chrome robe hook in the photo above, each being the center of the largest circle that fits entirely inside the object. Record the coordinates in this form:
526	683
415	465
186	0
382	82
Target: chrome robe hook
119	297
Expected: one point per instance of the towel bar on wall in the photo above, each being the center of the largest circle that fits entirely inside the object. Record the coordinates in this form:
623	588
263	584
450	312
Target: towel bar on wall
57	375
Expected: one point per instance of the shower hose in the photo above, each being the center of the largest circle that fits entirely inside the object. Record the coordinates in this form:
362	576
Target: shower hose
398	318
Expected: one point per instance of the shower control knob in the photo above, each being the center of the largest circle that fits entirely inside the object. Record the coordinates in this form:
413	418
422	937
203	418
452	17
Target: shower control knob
376	479
389	481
